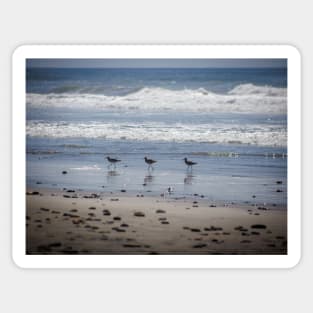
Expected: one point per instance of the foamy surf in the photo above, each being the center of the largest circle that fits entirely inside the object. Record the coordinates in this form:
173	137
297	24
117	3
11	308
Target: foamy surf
264	135
244	98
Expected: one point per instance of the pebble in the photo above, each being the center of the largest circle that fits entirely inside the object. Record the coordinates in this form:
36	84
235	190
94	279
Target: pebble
160	211
213	228
120	230
258	226
195	230
139	214
200	245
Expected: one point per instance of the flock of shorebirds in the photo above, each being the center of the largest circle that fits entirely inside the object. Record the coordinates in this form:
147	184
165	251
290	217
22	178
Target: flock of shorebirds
150	162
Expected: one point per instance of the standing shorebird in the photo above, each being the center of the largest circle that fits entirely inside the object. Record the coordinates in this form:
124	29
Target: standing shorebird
113	161
189	163
149	162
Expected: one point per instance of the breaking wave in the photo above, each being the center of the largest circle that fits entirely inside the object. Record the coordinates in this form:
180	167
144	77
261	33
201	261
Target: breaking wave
244	98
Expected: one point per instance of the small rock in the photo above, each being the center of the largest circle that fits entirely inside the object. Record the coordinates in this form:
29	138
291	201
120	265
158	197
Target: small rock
262	208
201	245
195	230
160	211
258	226
120	230
139	214
255	233
64	172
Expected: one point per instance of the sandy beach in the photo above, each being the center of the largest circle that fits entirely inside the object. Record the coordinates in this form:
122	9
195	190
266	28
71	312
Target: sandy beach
71	222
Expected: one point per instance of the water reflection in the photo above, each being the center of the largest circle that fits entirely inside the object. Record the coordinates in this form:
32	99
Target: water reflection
148	179
111	176
188	178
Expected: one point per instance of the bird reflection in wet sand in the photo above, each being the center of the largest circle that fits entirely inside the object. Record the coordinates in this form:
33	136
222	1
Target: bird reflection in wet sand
188	179
111	175
148	180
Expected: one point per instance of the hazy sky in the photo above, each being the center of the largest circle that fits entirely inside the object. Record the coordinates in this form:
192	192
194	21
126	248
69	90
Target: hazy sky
155	63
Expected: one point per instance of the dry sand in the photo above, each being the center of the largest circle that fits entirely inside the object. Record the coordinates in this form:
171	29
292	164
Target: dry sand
70	222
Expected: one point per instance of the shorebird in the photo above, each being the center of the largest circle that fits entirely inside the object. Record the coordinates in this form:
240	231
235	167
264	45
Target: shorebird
150	162
189	163
113	161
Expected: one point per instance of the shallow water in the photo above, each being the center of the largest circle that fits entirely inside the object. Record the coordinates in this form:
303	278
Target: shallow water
232	122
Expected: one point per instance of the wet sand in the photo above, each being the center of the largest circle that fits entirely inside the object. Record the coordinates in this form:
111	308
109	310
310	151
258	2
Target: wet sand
77	222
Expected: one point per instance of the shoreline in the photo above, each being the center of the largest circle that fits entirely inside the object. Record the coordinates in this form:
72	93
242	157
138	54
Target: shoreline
79	222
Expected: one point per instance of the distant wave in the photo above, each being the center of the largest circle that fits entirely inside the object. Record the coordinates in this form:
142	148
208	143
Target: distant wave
263	135
244	98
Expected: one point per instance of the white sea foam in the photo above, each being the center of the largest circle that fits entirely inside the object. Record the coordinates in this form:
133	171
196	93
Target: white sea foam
87	168
264	135
245	98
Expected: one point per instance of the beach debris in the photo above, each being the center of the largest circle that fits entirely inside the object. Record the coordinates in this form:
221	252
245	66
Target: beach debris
255	233
165	222
200	245
279	182
213	228
64	172
70	190
279	190
197	230
92	196
170	190
106	212
240	228
71	215
139	214
258	226
280	237
92	208
33	193
123	190
160	211
116	218
128	245
261	208
119	230
44	209
124	225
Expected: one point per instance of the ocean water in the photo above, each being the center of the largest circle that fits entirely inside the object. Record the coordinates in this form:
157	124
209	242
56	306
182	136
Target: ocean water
232	122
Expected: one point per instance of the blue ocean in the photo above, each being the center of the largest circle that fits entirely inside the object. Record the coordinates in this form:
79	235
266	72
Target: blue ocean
232	122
